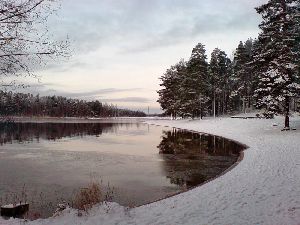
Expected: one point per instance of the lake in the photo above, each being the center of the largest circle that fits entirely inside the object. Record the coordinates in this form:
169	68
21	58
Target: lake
46	163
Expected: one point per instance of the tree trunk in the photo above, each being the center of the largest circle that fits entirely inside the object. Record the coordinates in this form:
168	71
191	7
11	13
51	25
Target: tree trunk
287	112
224	100
214	105
200	107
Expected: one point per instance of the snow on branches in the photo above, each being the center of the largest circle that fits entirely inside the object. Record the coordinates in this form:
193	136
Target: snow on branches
24	39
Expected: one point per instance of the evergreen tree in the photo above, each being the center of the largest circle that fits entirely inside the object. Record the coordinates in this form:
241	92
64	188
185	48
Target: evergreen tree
218	81
214	78
278	57
249	47
241	72
170	96
19	104
252	80
224	82
255	65
195	82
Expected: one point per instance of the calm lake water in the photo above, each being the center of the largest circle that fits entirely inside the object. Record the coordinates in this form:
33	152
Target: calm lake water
50	162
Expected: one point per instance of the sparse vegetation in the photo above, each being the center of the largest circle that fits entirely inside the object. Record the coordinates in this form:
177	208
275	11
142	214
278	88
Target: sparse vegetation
83	200
92	195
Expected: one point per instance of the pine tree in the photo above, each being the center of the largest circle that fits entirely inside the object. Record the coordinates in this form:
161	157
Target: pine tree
214	78
278	57
218	81
194	86
170	96
241	71
224	86
249	47
255	65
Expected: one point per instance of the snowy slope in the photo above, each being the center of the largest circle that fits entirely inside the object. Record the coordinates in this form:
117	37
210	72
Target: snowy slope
263	189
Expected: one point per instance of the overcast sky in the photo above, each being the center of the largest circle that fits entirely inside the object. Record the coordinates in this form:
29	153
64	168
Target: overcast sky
120	48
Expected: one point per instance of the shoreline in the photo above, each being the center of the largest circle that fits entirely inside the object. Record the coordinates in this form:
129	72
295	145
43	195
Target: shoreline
293	213
263	188
76	119
239	159
133	121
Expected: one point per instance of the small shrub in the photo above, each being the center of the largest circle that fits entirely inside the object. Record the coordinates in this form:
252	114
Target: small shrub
89	196
93	194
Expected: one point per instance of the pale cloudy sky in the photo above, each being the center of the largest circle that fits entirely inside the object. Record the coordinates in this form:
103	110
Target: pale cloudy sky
120	48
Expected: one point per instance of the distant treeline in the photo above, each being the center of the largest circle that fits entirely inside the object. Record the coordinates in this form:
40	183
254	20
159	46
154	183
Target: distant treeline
20	104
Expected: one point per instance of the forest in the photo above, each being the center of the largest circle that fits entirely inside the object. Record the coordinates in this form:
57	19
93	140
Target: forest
263	73
20	104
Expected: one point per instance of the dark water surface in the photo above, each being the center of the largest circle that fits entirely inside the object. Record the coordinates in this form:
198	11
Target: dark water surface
49	162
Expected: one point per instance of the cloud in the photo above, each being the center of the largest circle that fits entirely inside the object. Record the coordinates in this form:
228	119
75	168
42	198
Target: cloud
131	42
127	99
100	92
209	19
55	89
118	27
140	25
65	66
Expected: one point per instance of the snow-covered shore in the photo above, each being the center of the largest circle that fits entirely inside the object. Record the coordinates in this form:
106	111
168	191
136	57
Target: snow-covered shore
264	188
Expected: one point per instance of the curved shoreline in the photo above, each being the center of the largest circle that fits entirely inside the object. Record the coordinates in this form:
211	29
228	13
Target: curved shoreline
263	190
240	158
237	155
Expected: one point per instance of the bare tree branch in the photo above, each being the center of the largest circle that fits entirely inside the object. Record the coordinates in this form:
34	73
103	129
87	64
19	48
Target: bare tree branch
16	13
24	40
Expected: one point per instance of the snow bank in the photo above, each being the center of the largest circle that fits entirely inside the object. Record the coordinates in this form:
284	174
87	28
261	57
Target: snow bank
263	189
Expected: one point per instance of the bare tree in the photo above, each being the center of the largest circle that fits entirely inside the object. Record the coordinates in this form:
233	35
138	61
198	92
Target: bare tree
25	43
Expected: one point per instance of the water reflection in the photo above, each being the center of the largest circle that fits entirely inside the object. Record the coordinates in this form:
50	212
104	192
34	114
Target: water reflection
190	159
26	132
143	163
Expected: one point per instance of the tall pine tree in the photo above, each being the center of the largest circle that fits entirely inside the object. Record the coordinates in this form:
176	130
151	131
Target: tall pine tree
242	72
278	57
170	96
218	81
214	78
195	82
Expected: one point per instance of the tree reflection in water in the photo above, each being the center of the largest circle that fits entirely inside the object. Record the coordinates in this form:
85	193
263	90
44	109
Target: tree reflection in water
26	132
125	156
190	158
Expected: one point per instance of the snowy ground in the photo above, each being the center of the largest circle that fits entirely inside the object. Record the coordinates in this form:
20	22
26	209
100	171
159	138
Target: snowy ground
263	189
